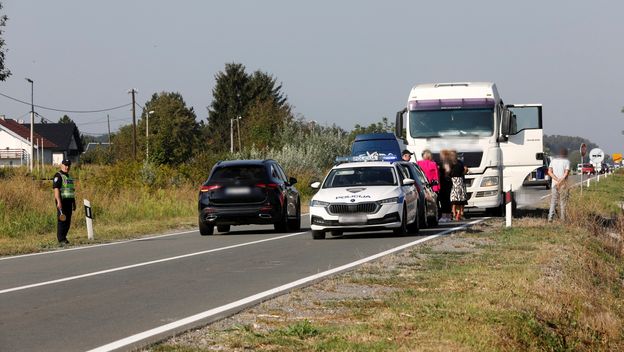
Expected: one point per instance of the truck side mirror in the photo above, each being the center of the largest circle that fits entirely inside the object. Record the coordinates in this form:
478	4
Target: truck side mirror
505	129
506	123
398	123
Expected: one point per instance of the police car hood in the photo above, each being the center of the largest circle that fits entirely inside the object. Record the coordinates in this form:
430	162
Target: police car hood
357	194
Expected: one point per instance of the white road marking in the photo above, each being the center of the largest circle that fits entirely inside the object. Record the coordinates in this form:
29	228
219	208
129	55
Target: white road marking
70	278
102	244
263	295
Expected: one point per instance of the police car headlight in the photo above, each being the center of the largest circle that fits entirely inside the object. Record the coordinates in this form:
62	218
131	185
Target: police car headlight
392	200
318	203
489	181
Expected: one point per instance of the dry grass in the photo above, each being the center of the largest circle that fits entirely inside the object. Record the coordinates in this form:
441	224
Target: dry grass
28	223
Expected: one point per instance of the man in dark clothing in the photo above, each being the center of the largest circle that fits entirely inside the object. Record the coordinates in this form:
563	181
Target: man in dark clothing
65	197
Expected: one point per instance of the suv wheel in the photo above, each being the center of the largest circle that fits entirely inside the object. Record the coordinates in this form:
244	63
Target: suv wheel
318	235
282	224
295	224
223	228
205	229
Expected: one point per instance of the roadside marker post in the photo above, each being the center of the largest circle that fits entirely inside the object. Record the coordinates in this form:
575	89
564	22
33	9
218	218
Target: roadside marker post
508	207
89	218
588	179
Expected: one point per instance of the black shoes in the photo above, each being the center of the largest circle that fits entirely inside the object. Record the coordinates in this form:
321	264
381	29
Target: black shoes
64	243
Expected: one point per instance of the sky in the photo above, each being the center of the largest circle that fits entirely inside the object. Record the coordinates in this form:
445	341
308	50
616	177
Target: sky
342	62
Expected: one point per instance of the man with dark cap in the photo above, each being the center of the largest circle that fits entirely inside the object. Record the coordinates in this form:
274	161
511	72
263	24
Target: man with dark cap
406	155
65	197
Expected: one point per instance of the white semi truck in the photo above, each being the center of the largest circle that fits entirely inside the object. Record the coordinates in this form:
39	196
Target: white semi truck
500	144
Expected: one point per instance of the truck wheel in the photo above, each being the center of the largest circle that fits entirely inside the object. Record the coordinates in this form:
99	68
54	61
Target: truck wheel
318	235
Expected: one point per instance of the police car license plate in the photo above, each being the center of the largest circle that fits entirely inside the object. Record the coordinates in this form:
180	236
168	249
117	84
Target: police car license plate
352	220
237	190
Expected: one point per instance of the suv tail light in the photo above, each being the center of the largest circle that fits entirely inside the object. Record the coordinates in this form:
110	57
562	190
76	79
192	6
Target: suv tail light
208	188
267	185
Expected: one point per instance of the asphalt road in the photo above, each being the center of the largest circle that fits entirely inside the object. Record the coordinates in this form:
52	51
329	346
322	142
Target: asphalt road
86	298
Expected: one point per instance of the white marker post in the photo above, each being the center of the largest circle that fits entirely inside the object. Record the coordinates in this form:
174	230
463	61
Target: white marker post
588	179
89	218
508	207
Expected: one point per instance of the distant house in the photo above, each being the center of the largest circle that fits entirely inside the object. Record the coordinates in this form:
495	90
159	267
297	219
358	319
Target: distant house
52	143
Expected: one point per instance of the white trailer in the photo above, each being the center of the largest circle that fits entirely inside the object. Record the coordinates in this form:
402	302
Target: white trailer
500	144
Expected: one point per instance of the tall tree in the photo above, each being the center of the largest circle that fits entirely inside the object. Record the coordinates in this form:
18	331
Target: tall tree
65	119
235	94
4	72
173	131
229	100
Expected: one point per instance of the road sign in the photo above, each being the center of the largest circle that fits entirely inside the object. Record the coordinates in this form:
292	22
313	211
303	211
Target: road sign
583	149
617	158
596	156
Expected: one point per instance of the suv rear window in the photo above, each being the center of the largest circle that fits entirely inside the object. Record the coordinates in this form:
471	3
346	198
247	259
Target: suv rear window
252	173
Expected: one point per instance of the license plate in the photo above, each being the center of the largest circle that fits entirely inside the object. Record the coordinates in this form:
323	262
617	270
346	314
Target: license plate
237	190
352	220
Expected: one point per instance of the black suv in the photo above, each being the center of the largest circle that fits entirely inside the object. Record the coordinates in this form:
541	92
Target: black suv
242	192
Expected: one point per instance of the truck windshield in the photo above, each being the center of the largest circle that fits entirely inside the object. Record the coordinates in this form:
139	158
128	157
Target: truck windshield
451	122
361	176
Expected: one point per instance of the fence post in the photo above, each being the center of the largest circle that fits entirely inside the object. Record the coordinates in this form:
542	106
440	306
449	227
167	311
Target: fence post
89	218
508	207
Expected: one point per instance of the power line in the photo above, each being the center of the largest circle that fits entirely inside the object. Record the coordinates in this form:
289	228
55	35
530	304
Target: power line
71	111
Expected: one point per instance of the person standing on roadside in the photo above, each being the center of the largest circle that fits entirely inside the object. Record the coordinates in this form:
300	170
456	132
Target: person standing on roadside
444	195
430	168
459	196
558	170
65	197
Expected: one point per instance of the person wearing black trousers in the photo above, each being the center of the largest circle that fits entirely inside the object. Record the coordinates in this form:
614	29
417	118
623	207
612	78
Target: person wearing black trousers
65	197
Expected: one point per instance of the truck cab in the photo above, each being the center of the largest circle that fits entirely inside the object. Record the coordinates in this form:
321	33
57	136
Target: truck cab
500	144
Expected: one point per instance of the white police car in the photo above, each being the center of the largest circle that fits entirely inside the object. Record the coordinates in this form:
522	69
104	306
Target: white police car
363	196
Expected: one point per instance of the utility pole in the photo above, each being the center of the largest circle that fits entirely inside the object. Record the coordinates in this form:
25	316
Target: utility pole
109	137
240	148
134	138
231	135
32	122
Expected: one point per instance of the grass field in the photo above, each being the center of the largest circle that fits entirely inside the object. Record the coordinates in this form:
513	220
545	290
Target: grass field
121	209
538	286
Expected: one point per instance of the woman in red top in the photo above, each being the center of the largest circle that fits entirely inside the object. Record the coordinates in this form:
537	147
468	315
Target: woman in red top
430	168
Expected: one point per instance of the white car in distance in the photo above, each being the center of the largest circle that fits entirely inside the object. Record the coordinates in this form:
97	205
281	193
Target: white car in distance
364	196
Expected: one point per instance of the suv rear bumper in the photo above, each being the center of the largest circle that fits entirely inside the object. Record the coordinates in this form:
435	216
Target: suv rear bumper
239	215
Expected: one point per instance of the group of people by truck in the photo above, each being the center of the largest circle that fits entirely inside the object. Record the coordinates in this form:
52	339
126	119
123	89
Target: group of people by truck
447	179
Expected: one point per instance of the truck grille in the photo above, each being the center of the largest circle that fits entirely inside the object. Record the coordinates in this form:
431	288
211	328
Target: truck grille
470	159
366	208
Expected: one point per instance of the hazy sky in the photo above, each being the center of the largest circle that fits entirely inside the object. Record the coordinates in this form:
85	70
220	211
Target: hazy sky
342	62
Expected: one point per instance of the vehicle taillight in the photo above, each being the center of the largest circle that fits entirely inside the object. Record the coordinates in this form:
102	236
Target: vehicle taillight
209	188
267	185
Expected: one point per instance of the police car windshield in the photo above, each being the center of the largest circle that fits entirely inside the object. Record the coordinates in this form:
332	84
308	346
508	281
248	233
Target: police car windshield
361	176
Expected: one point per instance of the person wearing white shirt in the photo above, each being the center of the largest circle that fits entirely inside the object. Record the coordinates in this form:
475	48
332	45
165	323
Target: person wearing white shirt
558	170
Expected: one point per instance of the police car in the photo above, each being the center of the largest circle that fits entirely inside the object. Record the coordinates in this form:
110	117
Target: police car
364	194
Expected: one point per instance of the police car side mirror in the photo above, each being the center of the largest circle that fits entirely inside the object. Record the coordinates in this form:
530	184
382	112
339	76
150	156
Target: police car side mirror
408	181
315	185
